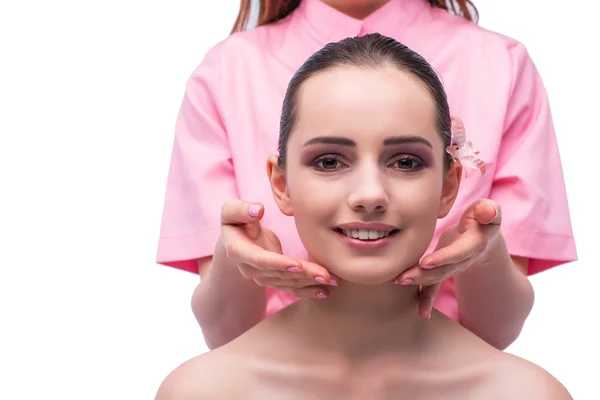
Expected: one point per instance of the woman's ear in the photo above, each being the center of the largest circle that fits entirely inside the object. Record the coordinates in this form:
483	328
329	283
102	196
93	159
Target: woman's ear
279	186
450	188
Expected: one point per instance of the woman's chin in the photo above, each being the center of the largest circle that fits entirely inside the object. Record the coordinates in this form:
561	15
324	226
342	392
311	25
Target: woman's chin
364	271
368	277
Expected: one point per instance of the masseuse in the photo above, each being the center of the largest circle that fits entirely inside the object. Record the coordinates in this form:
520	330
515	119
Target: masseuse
220	219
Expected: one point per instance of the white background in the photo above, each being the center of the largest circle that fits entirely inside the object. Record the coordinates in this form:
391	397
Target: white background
89	92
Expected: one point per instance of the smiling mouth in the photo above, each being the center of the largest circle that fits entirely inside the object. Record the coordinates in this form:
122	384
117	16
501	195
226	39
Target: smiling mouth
364	234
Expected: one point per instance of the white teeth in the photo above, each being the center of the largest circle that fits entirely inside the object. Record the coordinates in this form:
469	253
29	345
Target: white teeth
364	234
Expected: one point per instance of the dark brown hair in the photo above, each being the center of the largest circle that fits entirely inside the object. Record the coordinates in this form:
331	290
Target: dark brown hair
274	10
369	51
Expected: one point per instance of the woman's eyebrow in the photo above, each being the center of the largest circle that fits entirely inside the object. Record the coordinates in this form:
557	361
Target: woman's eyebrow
351	143
331	140
407	139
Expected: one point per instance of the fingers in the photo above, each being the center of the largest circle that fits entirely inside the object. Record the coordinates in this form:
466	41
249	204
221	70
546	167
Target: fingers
300	285
238	212
308	292
286	278
243	213
488	212
320	274
484	212
478	226
426	299
430	282
244	252
420	276
240	227
312	292
292	283
463	248
241	250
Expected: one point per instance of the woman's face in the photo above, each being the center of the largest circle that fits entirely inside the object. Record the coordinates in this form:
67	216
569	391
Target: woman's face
365	178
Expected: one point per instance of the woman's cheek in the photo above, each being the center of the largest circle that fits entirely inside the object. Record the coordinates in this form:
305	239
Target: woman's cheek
416	199
316	187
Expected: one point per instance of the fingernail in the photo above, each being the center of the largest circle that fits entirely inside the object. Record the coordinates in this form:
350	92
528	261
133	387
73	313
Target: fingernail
320	280
254	210
396	282
495	212
321	295
428	266
294	269
407	281
333	282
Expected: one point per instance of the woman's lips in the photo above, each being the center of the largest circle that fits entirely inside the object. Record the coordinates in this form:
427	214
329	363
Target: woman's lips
366	243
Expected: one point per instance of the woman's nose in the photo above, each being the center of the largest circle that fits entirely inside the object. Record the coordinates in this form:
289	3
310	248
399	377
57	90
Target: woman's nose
368	193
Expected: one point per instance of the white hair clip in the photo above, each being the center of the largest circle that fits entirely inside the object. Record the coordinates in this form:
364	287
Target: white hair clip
461	149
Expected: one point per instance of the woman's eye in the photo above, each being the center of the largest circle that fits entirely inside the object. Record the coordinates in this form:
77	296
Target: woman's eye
408	164
328	163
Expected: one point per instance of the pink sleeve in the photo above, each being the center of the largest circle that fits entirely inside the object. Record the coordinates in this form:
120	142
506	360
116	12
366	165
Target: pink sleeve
528	180
201	175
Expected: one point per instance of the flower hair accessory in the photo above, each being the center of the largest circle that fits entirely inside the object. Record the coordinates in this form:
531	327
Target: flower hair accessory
461	149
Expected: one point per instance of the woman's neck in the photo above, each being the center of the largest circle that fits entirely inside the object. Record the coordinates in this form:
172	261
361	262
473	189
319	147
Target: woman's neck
356	9
361	321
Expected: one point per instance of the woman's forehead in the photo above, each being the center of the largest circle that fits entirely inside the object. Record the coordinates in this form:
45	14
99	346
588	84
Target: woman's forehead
366	102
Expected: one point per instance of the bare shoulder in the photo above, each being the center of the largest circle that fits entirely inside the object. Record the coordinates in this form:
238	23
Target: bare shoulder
516	378
209	376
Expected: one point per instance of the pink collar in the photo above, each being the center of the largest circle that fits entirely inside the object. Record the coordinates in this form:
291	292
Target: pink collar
326	24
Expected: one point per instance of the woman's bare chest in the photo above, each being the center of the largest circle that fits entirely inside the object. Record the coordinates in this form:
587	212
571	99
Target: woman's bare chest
396	383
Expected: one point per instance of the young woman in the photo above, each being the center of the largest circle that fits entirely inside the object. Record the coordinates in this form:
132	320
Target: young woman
364	169
220	219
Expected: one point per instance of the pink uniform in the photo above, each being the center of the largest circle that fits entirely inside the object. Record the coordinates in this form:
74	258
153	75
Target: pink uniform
229	120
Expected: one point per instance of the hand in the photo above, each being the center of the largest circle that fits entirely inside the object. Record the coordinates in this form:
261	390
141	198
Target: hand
256	252
458	248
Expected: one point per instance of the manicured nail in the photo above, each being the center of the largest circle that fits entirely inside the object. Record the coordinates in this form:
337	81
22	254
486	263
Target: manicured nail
407	281
428	266
333	282
254	210
321	295
320	280
294	269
